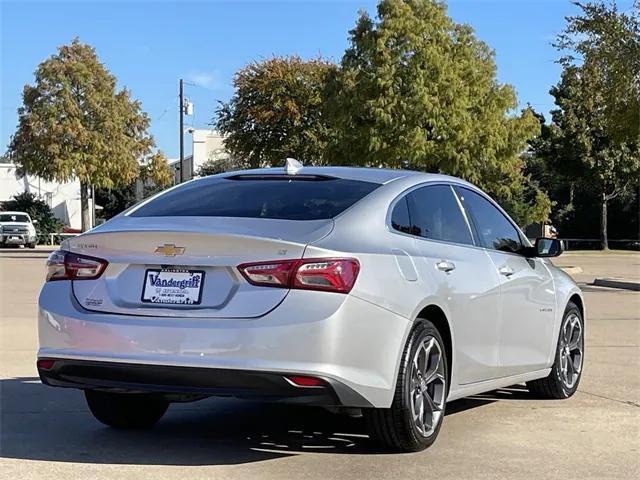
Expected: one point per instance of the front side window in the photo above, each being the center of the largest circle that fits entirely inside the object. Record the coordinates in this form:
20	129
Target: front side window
259	196
434	214
494	229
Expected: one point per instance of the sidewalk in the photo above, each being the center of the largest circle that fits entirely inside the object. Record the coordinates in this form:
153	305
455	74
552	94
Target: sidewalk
615	268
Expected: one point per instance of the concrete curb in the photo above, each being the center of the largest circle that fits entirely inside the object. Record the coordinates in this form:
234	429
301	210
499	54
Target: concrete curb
617	283
572	270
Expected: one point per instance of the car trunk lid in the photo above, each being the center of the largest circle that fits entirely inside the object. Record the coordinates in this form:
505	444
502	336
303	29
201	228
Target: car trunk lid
141	251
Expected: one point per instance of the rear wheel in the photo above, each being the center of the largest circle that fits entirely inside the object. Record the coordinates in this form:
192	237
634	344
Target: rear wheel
126	410
565	375
414	419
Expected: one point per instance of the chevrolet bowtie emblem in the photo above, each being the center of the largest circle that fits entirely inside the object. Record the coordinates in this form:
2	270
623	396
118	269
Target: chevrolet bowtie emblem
169	250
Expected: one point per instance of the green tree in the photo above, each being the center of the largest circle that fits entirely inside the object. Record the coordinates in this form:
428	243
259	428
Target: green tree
220	165
37	209
417	89
277	112
598	100
75	123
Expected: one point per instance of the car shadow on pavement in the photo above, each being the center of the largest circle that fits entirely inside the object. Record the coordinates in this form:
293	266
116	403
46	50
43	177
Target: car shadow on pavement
43	423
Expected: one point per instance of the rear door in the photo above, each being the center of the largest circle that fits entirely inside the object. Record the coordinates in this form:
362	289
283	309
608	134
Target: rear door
177	255
527	299
463	277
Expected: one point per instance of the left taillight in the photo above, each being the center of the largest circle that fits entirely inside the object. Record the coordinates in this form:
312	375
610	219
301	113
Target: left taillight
326	274
63	265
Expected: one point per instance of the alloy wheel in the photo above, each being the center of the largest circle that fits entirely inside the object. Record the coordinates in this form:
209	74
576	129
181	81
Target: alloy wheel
428	387
571	348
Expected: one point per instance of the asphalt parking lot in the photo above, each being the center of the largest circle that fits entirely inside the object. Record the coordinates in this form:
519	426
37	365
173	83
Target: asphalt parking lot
48	433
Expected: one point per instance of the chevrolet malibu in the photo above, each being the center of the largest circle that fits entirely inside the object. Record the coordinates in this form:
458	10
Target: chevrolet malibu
384	292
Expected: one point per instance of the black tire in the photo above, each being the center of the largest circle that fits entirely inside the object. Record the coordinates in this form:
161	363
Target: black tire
394	427
126	410
553	386
31	245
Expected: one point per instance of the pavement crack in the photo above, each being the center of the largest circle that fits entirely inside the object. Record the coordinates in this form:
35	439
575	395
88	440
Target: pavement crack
624	402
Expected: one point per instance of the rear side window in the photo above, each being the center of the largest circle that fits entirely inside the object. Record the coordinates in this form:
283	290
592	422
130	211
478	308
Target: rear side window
400	216
259	197
494	229
432	212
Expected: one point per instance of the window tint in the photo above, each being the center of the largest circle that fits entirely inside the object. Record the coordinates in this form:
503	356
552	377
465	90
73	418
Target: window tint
494	229
259	197
435	214
400	216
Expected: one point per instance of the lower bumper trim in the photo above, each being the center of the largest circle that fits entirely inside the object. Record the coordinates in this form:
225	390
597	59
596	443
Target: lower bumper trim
165	379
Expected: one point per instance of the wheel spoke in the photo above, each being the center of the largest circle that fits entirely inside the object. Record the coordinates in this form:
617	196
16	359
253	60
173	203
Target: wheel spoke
435	361
427	347
570	369
567	333
574	342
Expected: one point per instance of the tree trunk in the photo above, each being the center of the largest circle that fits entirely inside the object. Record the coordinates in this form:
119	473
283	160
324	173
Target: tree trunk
603	223
85	213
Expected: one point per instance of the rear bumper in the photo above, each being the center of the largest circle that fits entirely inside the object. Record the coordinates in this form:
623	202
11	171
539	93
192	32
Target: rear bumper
128	377
339	338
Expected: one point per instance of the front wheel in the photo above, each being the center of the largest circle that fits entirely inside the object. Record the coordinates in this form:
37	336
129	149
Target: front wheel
566	372
126	410
414	419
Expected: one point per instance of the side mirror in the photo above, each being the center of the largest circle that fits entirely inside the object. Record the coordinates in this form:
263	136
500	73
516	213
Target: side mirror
34	221
548	247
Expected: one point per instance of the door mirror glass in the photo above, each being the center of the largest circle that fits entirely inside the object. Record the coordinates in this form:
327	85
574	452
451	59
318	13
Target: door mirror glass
548	247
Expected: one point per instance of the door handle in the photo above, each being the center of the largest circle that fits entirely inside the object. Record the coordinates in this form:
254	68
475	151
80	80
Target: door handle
445	266
507	271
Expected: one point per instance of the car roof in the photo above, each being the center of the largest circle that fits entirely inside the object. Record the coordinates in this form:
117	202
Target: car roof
365	174
11	212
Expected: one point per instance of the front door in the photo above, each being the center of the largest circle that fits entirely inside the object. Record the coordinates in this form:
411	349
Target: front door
527	294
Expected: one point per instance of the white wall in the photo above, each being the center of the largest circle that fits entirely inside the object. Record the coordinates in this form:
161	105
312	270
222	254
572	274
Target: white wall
63	198
207	145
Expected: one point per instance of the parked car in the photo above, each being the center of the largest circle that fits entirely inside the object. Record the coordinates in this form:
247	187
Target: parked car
17	228
387	291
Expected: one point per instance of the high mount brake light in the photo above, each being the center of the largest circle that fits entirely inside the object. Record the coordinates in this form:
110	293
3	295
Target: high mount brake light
326	274
63	265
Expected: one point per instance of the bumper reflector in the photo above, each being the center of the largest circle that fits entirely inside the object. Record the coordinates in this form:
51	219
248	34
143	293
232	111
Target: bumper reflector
45	363
304	382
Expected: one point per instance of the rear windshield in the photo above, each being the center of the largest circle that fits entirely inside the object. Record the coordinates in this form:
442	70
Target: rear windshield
277	198
13	217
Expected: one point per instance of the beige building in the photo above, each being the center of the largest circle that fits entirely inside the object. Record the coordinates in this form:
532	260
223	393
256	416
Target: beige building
206	145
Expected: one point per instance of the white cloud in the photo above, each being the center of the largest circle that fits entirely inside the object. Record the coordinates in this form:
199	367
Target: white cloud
210	80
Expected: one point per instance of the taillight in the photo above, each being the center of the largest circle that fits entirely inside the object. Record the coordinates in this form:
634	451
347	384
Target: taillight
63	265
327	274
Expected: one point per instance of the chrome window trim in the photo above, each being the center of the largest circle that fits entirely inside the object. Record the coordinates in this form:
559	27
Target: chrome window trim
476	244
406	192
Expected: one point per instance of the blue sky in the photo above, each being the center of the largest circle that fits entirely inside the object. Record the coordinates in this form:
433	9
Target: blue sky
149	45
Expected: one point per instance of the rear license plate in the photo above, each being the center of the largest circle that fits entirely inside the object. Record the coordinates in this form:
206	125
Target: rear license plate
173	286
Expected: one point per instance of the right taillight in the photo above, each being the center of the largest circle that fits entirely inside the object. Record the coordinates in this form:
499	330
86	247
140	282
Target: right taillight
326	274
63	265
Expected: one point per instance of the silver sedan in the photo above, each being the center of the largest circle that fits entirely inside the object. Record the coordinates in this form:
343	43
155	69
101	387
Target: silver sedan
385	292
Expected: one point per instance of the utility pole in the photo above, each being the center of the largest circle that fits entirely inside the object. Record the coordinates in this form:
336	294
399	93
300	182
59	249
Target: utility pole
181	131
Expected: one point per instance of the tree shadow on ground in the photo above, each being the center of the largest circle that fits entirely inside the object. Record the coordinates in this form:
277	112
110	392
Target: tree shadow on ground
53	424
